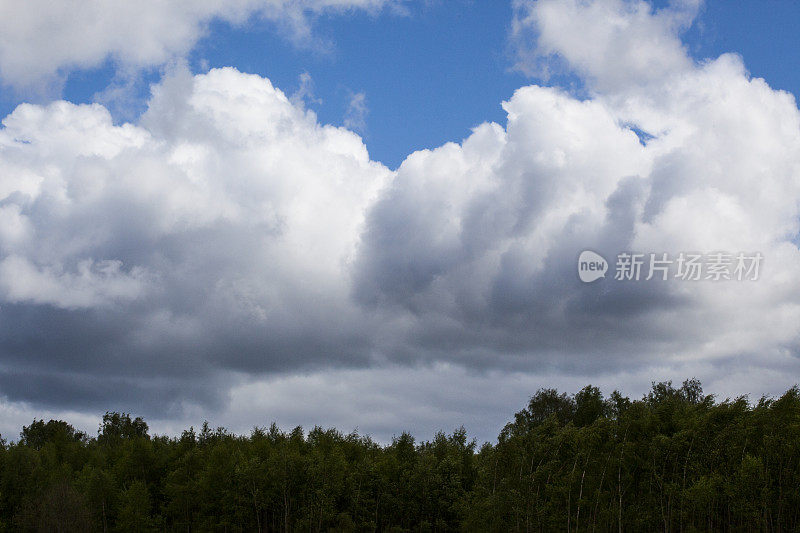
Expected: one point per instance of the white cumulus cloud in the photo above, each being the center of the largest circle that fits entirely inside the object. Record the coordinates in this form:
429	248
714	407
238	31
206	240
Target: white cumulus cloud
40	39
475	244
221	227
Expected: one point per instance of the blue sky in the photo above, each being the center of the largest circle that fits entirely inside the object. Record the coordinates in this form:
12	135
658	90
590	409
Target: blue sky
433	74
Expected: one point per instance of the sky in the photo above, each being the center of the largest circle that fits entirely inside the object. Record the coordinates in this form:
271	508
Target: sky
368	213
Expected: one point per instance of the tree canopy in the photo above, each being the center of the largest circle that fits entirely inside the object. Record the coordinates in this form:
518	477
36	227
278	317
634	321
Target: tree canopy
673	460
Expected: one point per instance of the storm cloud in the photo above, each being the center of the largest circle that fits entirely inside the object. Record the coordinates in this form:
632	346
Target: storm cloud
230	254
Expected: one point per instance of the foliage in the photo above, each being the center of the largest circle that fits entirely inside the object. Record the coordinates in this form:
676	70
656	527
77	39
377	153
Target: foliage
674	460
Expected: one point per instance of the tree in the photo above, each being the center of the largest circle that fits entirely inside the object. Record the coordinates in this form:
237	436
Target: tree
59	508
134	510
40	433
673	460
120	426
589	406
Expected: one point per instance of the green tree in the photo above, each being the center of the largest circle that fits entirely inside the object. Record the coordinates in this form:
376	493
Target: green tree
133	515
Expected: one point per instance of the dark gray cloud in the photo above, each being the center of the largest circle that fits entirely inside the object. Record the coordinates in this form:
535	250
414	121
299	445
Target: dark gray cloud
149	266
229	255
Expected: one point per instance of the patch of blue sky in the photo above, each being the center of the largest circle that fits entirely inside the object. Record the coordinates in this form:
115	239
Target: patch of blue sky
431	75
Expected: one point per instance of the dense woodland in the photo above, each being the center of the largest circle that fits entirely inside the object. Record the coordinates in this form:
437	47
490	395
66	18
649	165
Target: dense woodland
674	460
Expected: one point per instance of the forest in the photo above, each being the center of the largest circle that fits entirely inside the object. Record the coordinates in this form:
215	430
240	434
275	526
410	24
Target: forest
674	460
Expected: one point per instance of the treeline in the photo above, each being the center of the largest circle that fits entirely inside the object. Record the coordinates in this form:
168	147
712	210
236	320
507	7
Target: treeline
674	460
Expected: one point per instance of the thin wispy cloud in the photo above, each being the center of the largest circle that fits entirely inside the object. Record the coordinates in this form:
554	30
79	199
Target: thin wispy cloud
355	117
41	41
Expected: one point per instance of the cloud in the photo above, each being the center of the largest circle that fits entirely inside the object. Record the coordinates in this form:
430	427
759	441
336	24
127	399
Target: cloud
304	95
472	251
228	254
355	117
40	40
611	43
213	237
94	284
384	401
